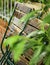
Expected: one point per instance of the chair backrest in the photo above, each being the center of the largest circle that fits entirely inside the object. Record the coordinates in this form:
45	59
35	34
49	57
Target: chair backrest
6	8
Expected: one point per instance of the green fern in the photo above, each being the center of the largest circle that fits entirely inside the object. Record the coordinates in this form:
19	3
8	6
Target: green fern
39	41
26	17
11	40
36	56
18	50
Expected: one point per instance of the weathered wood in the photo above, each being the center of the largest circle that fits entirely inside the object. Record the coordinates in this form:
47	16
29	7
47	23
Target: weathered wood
35	23
27	7
22	7
35	5
29	29
2	31
18	14
32	25
24	59
15	30
21	63
28	54
3	23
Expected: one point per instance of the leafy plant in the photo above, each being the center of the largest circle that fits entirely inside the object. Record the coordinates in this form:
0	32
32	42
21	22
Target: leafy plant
38	40
46	19
20	44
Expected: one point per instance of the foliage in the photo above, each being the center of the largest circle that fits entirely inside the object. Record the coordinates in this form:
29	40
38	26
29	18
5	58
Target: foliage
41	47
47	18
36	57
26	17
39	41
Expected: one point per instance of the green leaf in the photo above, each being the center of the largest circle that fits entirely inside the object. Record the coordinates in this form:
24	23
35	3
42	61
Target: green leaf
46	19
47	6
18	50
12	40
48	48
30	43
36	56
35	33
26	17
47	59
32	34
48	32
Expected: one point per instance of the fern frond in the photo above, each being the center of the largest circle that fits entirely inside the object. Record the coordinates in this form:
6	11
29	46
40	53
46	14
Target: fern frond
36	56
18	50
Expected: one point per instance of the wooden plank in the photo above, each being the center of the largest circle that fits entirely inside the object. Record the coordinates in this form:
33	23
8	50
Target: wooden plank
21	63
35	23
15	29
32	25
34	5
22	7
2	31
30	51
18	14
3	23
28	54
29	29
27	7
24	59
16	22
